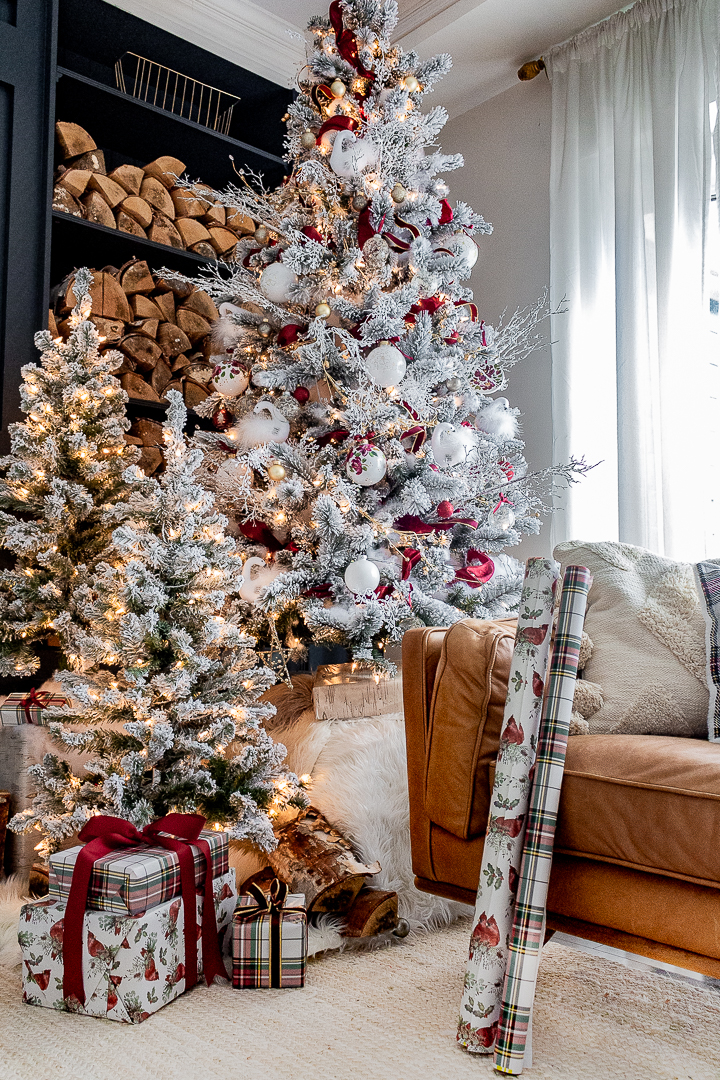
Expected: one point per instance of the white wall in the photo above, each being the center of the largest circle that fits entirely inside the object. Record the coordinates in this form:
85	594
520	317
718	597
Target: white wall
506	146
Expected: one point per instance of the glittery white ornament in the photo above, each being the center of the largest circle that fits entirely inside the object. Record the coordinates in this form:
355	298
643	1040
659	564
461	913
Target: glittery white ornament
459	244
276	281
366	465
385	364
233	472
229	378
451	444
362	576
256	576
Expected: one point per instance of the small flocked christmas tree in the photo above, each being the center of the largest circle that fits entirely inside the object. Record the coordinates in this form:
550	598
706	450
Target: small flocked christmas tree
165	679
62	482
375	480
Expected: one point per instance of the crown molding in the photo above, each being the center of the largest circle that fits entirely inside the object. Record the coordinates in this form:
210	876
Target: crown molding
428	17
242	33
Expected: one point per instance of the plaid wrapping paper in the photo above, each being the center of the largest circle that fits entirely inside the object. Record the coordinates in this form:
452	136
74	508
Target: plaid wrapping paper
29	708
132	965
251	944
492	924
529	917
130	881
707	577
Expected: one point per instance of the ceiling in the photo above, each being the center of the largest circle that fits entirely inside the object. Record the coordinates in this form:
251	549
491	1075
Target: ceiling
488	39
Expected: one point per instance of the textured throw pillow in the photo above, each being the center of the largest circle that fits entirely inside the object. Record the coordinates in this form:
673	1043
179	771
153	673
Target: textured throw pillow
645	618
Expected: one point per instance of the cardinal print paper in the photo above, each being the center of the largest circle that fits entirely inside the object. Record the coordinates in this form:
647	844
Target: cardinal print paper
492	924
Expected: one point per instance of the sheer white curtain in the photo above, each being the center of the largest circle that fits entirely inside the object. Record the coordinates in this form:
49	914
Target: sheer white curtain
631	212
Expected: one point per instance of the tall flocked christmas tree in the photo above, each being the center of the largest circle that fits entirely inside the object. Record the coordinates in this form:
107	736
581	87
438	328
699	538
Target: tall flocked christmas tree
62	483
164	681
374	479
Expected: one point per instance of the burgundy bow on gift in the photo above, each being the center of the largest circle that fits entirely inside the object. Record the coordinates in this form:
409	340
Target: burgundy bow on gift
105	834
39	699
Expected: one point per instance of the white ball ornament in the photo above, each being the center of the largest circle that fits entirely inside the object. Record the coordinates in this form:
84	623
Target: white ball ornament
362	576
460	244
230	379
451	444
366	465
386	365
276	281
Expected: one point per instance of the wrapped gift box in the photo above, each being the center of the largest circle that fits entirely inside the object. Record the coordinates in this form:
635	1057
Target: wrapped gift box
132	966
268	951
128	882
29	708
345	692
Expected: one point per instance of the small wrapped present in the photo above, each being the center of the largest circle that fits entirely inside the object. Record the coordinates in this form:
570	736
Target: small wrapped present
129	881
131	966
28	708
269	938
345	692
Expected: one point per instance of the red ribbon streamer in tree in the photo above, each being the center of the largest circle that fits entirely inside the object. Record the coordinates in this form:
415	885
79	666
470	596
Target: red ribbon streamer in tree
340	434
336	123
474	576
346	43
411	523
418	435
106	834
288	335
259	531
447	214
410	558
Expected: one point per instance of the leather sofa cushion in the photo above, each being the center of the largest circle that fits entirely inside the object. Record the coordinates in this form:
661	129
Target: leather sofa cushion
648	802
466	715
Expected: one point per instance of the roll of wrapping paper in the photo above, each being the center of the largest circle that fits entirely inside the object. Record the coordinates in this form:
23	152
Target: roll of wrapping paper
529	916
492	924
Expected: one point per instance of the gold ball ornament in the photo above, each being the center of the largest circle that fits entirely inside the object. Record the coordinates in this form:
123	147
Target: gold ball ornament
398	194
276	471
262	235
338	88
360	203
307	139
264	329
411	84
322	311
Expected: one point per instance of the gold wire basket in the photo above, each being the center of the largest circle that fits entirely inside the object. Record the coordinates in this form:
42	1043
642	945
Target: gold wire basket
175	92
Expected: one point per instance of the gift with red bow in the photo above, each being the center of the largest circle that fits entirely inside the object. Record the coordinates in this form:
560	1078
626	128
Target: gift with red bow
28	708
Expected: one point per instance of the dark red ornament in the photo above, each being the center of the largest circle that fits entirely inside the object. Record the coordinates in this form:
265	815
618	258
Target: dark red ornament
301	394
222	418
445	509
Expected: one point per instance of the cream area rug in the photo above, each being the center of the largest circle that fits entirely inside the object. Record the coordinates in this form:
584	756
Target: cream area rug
390	1014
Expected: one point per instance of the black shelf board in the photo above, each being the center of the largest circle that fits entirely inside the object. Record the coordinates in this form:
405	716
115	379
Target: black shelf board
136	132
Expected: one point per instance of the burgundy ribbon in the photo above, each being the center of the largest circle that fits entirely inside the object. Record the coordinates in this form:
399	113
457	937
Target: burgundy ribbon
258	531
288	335
339	433
474	576
346	43
321	591
312	234
410	558
34	698
411	523
335	123
365	229
447	214
418	435
105	834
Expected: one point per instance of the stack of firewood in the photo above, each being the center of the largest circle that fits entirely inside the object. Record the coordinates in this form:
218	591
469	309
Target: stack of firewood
162	328
143	202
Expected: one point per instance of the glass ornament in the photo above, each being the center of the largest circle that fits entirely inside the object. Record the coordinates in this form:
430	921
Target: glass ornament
362	576
502	518
386	365
276	281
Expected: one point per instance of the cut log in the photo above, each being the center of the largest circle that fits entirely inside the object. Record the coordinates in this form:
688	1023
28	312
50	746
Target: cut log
162	231
193	324
314	859
148	327
128	177
172	340
166	169
161	376
180	363
214	215
67	203
262	878
94	160
145	308
199	372
166	303
127	224
75	181
181	289
204	247
106	297
132	440
155	193
109	329
194	393
191	230
73	140
223	240
52	325
142	350
97	210
150	459
201	304
185	205
111	192
135	277
138	210
176	384
39	880
135	387
373	912
240	222
149	432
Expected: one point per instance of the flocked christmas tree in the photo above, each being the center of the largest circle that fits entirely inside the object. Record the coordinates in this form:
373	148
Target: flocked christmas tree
62	483
163	679
374	478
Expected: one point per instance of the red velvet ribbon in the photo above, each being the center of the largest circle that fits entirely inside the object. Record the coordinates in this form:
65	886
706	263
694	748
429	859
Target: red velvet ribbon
345	41
258	531
339	433
473	309
410	558
474	576
35	697
411	523
418	435
335	123
447	214
105	834
312	234
288	335
365	229
321	591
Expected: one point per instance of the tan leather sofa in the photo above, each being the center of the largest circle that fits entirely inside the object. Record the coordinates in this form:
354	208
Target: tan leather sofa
637	847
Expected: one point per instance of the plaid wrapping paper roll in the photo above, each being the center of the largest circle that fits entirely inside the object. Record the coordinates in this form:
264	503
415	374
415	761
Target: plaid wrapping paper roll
529	917
132	965
707	578
128	882
269	939
29	708
482	994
